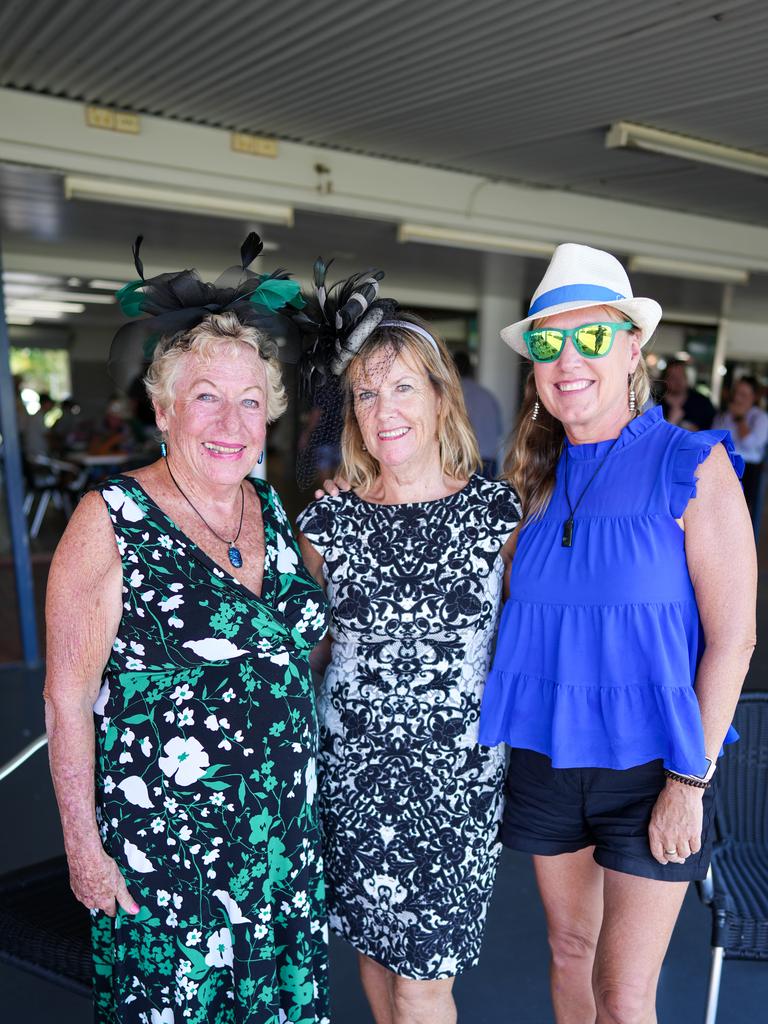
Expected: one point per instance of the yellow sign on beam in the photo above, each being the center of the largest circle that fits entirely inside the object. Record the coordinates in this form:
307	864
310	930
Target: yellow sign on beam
112	120
254	145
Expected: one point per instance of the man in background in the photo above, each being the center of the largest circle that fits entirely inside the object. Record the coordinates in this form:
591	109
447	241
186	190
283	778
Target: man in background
683	405
484	414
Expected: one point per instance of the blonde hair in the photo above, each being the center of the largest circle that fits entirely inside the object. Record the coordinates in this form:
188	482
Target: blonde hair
459	454
215	334
535	447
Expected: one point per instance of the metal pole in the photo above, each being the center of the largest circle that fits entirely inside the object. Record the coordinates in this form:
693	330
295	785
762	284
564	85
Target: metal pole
14	491
721	345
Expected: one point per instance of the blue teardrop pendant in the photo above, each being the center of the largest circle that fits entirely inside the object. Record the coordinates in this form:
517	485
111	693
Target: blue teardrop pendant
234	556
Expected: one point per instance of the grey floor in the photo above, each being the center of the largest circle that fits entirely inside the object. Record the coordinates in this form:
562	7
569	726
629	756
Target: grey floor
510	985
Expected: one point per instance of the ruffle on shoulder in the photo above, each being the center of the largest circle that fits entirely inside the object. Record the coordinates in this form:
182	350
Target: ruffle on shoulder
692	451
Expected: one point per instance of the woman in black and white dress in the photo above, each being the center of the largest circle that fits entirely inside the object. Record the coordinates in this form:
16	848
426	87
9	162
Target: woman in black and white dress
412	558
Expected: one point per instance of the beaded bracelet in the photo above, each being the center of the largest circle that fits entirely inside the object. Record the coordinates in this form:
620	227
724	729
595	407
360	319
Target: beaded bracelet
687	780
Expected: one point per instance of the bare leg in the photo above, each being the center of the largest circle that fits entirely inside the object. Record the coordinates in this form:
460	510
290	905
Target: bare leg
378	984
639	916
424	1002
571	887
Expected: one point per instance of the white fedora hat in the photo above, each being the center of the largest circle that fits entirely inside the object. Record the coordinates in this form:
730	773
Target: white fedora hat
577	277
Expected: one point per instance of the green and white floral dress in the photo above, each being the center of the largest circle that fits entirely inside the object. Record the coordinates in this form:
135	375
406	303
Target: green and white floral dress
205	782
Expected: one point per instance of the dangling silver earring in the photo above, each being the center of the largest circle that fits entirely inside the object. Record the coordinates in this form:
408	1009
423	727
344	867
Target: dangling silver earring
632	396
535	410
163	449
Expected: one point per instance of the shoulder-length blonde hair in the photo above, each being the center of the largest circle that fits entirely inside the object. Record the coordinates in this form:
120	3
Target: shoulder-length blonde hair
535	447
211	337
459	454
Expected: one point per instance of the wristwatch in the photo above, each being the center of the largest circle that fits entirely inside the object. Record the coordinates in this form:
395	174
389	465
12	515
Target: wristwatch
699	781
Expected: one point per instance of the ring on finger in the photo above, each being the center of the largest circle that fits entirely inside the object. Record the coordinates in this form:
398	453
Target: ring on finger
671	853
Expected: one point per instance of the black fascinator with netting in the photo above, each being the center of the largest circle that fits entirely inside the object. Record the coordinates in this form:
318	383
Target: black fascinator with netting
335	323
173	303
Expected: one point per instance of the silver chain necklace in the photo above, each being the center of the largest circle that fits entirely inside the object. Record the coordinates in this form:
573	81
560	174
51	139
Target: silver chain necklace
233	552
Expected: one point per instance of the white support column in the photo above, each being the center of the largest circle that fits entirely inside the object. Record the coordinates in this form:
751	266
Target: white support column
721	344
500	304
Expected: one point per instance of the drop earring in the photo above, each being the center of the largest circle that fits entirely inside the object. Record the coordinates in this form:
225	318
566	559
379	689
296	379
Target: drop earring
632	397
261	457
535	410
163	449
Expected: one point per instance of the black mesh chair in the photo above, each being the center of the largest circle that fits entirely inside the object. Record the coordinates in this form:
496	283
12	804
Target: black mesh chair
43	928
737	886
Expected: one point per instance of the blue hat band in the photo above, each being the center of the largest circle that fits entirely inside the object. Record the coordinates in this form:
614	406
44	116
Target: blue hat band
574	293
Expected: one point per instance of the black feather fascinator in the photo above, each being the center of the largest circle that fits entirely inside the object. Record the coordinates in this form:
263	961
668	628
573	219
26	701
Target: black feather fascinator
335	323
174	302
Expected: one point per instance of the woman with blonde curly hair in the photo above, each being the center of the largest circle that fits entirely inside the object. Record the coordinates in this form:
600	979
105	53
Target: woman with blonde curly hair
412	558
179	701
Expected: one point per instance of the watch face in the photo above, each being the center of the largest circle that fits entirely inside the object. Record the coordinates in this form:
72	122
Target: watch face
707	770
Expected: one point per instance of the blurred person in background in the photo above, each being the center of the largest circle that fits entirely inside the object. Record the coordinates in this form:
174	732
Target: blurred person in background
484	414
683	405
748	424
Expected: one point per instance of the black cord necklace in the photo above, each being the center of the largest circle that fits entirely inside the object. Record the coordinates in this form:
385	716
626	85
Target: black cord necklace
567	540
235	557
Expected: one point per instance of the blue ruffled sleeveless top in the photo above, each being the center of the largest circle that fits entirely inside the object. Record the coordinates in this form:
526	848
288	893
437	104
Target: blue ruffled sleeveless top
599	643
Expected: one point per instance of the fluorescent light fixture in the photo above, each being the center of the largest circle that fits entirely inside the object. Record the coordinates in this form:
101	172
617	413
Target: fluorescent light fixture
43	307
19	321
683	268
19	277
130	193
33	292
624	134
100	284
460	238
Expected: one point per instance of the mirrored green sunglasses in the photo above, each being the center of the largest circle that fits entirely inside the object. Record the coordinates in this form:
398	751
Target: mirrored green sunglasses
593	341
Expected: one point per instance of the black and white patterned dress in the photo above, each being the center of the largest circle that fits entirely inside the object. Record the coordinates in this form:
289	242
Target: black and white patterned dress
409	801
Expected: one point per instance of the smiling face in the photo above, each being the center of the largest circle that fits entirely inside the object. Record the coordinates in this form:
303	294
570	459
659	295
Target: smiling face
217	422
396	407
588	396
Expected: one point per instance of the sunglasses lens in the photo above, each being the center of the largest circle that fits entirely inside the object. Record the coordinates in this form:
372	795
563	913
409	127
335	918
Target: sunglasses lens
545	345
593	339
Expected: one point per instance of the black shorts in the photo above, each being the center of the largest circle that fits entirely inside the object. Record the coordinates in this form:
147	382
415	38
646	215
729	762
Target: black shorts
560	810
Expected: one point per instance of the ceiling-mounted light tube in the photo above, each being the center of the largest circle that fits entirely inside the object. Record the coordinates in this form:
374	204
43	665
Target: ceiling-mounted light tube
683	268
461	238
624	134
129	193
42	307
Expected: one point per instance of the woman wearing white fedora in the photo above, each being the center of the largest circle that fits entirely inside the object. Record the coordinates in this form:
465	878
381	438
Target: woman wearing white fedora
622	648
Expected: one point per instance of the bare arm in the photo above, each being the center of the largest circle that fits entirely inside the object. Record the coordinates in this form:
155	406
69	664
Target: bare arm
720	551
83	610
321	655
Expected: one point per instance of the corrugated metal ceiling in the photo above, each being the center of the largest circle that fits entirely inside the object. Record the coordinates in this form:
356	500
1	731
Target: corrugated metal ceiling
515	91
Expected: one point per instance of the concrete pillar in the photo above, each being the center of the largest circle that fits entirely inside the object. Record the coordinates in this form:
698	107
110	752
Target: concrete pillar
501	303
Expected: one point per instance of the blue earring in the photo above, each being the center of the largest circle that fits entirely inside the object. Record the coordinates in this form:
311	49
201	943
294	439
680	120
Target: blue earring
261	457
163	449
